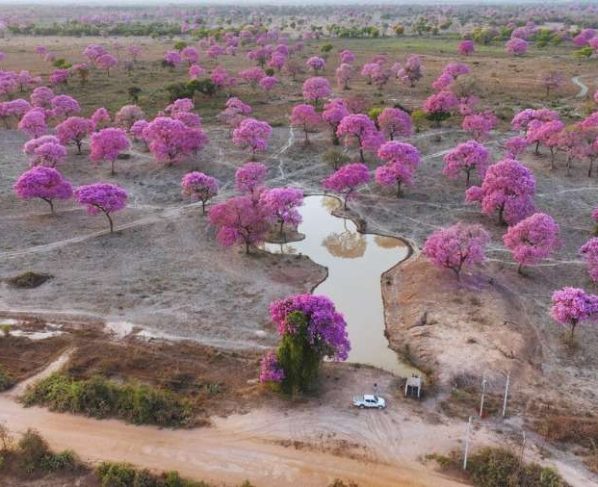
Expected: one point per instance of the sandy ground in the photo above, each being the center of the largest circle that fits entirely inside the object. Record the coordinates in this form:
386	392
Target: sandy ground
162	269
313	444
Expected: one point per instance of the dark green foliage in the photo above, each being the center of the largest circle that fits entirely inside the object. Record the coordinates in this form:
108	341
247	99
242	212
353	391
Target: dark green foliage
61	63
297	357
188	89
125	475
269	71
438	117
6	381
78	29
180	45
326	48
586	52
101	398
134	92
28	280
499	467
34	456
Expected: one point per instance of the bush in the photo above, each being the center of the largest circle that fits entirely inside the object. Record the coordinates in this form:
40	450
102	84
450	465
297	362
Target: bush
117	475
125	475
500	467
34	455
6	381
100	398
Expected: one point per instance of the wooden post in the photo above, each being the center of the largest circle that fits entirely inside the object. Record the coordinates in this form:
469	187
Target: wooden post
482	398
466	453
504	402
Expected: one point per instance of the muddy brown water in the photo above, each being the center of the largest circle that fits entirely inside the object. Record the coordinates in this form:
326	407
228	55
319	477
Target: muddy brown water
355	263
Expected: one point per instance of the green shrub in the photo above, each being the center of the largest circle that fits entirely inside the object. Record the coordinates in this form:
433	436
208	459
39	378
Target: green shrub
117	475
6	381
125	475
499	467
100	398
34	455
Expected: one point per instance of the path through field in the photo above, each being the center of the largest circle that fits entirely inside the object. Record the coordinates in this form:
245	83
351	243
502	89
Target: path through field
247	446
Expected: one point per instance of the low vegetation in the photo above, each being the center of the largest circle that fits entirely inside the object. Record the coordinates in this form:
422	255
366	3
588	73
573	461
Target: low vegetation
32	458
100	398
493	467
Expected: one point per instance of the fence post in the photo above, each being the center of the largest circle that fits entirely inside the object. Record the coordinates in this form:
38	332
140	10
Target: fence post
466	453
504	403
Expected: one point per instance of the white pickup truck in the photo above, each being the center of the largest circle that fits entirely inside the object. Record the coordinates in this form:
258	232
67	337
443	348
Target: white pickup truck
369	401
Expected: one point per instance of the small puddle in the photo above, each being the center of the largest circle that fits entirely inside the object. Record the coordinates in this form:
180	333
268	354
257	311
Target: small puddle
355	263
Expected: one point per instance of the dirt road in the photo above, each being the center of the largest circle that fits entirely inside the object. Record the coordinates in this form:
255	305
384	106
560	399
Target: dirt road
216	454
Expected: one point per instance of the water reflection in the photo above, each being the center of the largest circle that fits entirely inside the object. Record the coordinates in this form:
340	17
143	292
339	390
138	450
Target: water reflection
355	262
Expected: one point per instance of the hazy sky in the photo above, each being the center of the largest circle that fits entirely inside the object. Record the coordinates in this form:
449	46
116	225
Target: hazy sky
274	2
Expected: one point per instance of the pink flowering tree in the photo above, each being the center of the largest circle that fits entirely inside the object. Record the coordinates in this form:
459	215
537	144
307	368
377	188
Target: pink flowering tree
334	111
479	125
48	154
100	118
240	221
411	71
267	83
589	251
508	188
572	306
234	112
64	106
36	159
316	63
195	71
344	73
394	122
74	129
357	128
438	107
316	89
346	180
552	81
311	329
34	123
200	187
532	239
45	183
466	47
102	198
283	204
190	55
401	161
127	116
106	62
516	46
252	134
250	177
41	97
107	145
466	157
305	117
515	146
170	140
456	246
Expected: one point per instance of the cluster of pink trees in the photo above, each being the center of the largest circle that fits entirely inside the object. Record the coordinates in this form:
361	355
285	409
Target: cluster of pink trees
248	217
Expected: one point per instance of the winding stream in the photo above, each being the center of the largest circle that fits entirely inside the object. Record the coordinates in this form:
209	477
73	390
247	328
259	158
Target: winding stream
355	262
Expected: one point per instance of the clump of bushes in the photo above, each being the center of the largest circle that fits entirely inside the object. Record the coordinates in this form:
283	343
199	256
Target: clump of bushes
501	467
28	280
33	456
6	381
101	398
124	475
